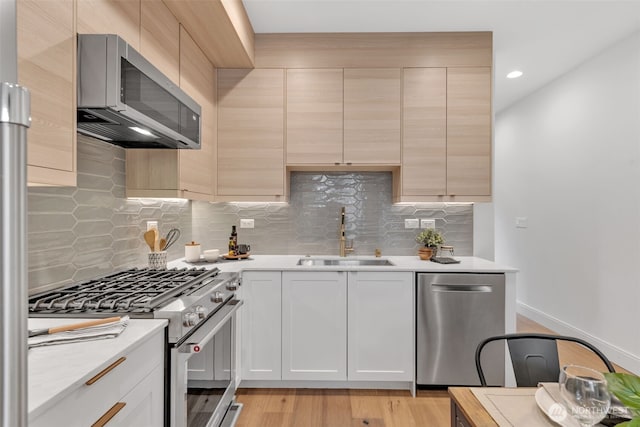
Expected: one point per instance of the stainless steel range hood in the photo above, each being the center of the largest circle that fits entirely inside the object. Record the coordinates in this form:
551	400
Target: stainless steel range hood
123	99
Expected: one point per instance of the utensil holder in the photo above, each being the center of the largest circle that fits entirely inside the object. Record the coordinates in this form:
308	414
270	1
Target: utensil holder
158	260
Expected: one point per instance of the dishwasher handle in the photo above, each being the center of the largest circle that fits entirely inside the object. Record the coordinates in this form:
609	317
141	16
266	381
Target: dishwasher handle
442	287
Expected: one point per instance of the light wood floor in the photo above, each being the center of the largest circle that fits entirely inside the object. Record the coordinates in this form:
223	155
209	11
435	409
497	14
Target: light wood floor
369	408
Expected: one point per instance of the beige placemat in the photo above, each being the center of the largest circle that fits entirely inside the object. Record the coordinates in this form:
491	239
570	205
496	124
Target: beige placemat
512	406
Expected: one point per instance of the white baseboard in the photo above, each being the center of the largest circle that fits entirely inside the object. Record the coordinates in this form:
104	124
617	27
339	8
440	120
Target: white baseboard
617	355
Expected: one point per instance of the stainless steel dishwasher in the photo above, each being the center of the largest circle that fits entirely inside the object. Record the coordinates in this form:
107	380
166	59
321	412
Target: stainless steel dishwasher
454	313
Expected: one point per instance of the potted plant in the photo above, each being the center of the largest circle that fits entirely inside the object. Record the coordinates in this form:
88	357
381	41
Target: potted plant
626	387
430	239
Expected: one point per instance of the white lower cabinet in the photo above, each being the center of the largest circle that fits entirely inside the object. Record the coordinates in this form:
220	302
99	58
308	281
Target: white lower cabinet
328	326
128	392
314	326
143	405
261	324
380	326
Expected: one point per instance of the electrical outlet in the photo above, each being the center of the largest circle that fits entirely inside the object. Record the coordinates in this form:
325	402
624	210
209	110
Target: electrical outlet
522	222
247	223
152	225
427	223
411	223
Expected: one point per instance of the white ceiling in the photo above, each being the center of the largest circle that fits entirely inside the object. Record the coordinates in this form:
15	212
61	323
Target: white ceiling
542	38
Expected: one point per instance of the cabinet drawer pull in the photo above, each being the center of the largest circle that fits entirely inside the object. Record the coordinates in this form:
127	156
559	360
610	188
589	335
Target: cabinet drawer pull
109	414
105	371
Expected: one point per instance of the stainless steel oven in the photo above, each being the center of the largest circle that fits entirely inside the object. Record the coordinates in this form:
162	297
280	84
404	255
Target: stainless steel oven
203	373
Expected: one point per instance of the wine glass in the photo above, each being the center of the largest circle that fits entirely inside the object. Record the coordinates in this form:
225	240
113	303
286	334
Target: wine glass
585	394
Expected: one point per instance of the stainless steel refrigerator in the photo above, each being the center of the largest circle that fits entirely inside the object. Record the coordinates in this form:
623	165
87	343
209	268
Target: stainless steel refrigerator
14	121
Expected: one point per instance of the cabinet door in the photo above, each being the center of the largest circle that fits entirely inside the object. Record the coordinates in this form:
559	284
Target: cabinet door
160	38
314	116
250	133
381	326
144	405
469	131
314	326
197	78
121	17
372	116
261	325
181	173
46	65
424	137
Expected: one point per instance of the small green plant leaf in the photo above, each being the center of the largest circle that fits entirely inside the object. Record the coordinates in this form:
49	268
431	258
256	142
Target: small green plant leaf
633	423
625	387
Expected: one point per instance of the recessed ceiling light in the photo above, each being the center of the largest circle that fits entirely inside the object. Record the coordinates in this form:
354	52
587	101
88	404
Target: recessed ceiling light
514	74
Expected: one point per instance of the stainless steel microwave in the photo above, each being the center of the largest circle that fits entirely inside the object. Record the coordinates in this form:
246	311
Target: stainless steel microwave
124	100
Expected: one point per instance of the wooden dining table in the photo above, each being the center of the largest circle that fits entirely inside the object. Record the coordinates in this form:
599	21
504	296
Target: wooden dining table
466	409
500	406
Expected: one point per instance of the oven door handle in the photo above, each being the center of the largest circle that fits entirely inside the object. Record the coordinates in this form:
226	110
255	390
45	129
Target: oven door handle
196	342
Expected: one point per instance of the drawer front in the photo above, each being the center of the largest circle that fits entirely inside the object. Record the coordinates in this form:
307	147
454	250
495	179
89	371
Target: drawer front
144	405
86	404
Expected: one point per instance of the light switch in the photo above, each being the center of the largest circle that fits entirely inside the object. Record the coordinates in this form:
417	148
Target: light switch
151	225
522	222
427	223
411	223
247	223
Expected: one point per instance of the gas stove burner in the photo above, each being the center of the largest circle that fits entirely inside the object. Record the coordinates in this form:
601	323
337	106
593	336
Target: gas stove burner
129	291
187	298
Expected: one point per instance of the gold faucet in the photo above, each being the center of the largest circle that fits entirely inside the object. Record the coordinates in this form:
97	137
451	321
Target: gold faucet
343	241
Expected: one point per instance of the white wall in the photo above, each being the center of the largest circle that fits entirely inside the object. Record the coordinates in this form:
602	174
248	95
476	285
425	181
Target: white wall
568	159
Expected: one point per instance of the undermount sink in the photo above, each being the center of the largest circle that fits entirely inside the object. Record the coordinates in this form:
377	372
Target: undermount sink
342	262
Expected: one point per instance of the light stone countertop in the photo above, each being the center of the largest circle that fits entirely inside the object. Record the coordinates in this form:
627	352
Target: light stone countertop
55	370
400	263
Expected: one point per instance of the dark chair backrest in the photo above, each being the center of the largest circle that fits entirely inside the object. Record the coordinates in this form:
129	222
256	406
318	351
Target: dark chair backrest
534	357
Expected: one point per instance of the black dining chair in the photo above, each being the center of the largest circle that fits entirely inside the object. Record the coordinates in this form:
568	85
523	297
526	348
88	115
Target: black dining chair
534	357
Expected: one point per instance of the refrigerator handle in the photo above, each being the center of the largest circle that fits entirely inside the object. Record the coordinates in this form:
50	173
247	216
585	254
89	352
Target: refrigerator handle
14	121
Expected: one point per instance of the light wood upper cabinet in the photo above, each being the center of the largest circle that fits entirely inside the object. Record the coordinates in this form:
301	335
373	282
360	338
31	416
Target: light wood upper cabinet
160	38
314	116
424	126
121	17
197	78
372	116
46	65
469	131
251	134
220	27
446	144
181	173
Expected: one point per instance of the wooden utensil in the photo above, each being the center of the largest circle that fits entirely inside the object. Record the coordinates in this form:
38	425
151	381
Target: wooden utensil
150	238
73	326
163	244
156	240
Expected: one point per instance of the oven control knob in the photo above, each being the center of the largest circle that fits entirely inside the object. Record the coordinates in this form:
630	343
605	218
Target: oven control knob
201	311
232	286
217	297
190	319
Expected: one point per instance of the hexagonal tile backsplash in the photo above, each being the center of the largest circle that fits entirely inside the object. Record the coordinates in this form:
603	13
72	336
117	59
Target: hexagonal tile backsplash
79	233
309	224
